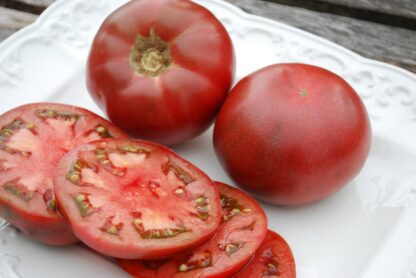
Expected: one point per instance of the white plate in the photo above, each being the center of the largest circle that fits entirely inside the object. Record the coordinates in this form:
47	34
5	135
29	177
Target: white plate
366	230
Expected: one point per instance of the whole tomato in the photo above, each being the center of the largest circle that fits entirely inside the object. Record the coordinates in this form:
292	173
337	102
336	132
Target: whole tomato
292	134
161	69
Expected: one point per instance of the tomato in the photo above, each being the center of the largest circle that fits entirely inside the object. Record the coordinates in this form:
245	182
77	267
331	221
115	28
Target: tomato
135	199
292	134
161	69
243	228
273	258
33	138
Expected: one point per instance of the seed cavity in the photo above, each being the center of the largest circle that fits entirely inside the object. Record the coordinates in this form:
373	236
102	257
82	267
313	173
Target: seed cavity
57	115
154	187
202	261
156	233
9	130
249	227
103	131
179	172
272	267
84	205
18	190
231	207
74	175
231	248
111	228
50	201
134	149
202	208
181	192
102	155
156	264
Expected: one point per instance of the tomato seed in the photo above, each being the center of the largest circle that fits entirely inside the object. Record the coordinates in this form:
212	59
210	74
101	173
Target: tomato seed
273	267
204	261
179	191
183	268
111	228
84	205
19	191
103	132
231	248
50	201
134	149
52	114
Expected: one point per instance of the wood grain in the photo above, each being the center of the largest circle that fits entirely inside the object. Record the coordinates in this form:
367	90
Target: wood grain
12	20
372	40
377	41
406	8
32	6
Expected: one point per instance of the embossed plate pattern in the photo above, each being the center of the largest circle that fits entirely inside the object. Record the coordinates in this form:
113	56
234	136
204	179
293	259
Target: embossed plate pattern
366	230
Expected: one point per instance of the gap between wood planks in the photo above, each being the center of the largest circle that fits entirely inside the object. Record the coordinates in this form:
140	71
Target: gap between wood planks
382	13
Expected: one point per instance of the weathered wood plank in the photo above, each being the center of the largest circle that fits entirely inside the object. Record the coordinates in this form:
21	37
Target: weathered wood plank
40	3
399	13
376	41
12	20
32	6
406	8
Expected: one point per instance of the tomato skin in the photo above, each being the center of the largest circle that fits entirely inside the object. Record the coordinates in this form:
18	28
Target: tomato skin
222	265
292	134
32	216
274	249
180	102
52	231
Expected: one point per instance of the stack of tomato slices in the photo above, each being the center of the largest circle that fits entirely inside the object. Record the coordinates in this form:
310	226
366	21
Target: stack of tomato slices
67	174
241	247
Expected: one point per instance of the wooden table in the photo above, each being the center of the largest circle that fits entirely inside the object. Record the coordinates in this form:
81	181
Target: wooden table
384	30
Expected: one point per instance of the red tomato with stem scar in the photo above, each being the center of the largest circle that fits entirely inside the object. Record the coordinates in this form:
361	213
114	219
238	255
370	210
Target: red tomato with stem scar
161	69
242	229
33	138
292	134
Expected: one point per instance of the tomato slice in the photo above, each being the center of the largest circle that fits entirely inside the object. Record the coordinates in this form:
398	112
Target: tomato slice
274	258
243	228
136	199
33	138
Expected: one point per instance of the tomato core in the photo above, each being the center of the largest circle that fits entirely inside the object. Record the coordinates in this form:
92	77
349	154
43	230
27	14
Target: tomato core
150	56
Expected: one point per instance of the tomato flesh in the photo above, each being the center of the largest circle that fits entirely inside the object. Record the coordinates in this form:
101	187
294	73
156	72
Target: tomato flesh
33	138
135	199
161	69
243	228
273	258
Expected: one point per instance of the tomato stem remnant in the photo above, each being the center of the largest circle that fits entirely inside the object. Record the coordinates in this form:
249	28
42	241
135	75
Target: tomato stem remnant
150	56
